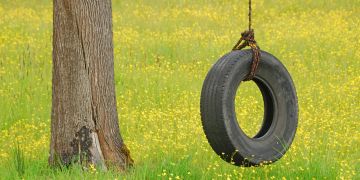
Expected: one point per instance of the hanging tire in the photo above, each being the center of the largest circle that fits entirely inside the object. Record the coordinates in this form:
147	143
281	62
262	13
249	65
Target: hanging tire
218	109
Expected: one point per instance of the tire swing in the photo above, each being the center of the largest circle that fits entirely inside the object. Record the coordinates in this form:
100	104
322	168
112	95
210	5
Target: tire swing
217	105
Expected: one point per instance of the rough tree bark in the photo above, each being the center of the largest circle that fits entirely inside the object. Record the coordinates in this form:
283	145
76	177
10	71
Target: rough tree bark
84	119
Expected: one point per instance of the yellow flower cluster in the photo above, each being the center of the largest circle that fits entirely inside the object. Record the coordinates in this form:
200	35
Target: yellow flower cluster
163	51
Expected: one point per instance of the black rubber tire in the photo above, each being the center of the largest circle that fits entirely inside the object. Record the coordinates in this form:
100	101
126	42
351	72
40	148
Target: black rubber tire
218	109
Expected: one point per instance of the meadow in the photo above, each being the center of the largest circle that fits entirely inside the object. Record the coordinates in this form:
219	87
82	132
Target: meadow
163	50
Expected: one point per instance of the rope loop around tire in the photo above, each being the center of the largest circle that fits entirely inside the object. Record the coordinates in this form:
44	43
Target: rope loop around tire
248	39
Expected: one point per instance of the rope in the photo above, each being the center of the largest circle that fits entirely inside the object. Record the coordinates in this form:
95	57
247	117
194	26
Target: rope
248	39
250	12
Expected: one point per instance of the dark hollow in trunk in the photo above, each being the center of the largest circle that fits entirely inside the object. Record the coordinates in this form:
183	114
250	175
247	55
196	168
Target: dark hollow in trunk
84	119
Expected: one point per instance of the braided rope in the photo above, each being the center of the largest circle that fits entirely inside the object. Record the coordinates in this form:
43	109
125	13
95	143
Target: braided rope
248	39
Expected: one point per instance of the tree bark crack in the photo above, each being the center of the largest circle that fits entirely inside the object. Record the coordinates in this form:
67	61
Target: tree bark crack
82	45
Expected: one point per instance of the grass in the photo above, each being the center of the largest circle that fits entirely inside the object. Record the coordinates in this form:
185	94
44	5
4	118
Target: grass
163	50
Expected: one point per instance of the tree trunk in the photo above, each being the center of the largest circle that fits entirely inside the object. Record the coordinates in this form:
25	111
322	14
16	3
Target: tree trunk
84	119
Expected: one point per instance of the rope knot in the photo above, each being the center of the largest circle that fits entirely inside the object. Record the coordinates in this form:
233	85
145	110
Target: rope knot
248	36
249	40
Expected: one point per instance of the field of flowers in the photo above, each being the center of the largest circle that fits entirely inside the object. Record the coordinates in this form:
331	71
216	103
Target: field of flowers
163	50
